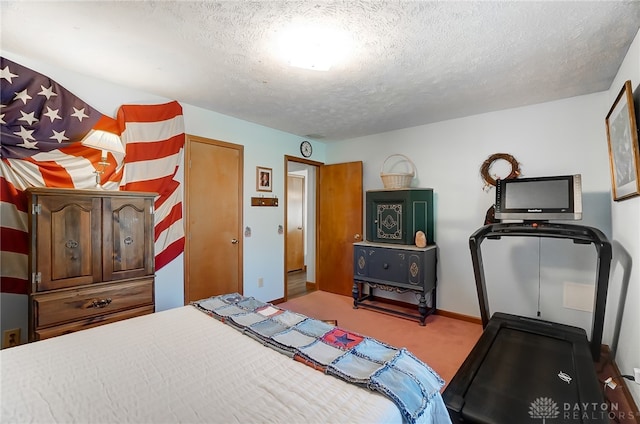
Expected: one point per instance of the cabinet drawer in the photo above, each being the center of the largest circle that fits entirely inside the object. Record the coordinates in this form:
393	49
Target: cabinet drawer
73	305
409	268
388	265
59	330
396	267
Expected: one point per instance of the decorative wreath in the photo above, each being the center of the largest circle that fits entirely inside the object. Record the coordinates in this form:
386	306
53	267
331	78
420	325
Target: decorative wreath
486	166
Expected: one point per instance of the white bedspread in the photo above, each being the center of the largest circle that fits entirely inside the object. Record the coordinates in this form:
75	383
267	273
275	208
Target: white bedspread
173	366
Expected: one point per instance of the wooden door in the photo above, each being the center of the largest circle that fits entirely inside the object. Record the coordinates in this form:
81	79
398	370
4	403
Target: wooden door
295	222
213	248
339	225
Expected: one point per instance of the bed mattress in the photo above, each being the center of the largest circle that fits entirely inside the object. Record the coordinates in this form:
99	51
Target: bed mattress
178	365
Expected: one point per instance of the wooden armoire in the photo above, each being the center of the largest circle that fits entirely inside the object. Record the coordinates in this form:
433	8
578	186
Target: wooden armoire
91	258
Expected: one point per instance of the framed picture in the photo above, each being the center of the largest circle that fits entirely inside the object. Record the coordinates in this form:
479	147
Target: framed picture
624	155
263	178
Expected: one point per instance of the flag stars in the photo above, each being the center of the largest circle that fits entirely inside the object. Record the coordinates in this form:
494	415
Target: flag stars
6	74
28	118
25	133
52	114
22	95
28	144
2	118
26	136
79	113
59	136
47	92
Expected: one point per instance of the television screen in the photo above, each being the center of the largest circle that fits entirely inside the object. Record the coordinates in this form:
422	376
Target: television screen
540	198
538	194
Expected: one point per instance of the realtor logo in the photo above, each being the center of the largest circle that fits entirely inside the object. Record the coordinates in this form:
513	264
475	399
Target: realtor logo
544	408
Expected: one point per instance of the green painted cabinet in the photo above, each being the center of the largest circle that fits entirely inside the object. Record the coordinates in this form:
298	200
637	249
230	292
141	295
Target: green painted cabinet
394	216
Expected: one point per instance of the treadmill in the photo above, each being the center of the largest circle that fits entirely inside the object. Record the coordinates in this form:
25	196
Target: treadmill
527	370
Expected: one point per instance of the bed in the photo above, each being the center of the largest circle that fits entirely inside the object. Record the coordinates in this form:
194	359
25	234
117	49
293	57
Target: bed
186	364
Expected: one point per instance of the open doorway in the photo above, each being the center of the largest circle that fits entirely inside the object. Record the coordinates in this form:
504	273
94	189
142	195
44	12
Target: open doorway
300	226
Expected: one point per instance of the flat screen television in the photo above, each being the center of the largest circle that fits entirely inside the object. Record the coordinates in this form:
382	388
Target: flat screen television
539	198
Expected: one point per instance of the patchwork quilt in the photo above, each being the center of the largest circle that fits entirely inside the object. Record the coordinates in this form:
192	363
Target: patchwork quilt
364	361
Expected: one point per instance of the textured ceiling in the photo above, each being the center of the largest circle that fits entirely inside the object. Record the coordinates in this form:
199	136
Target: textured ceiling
414	62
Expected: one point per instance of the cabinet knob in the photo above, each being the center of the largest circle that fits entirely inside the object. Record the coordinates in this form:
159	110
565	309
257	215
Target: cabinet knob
385	266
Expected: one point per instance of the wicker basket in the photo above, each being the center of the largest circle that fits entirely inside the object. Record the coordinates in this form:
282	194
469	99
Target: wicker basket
397	179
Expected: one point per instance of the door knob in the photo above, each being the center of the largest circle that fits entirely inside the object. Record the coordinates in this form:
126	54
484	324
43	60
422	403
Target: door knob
356	237
299	228
234	241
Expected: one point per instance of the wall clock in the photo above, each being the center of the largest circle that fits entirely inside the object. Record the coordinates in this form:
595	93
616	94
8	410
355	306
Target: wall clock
306	149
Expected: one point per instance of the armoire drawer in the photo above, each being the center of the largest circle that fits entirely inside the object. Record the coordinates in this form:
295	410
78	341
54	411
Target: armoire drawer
72	305
91	322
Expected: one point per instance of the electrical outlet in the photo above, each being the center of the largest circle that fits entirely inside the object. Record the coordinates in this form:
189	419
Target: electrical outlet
11	338
260	282
636	375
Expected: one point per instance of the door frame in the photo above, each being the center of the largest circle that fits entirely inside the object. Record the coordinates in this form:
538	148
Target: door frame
318	166
187	176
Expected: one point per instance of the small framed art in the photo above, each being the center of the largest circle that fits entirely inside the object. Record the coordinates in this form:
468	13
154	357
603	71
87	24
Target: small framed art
263	178
624	155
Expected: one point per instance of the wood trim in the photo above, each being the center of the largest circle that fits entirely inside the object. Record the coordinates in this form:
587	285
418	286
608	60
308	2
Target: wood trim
288	158
461	317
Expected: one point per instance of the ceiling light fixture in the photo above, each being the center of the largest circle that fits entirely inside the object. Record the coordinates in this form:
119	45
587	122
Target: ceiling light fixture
313	47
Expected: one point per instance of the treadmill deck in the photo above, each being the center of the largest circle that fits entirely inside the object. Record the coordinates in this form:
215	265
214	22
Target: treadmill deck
523	369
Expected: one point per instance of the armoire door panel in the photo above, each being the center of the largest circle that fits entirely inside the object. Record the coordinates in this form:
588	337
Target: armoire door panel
66	246
128	230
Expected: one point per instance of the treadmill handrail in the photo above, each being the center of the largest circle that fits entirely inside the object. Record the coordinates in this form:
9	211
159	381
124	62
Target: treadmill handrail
577	233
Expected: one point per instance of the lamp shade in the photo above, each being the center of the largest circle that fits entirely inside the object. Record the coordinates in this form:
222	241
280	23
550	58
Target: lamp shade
103	140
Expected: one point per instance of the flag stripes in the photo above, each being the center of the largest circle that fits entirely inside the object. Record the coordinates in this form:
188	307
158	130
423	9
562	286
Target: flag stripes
14	238
154	141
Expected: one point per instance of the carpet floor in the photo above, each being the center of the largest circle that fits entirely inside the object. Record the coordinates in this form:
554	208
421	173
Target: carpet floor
443	343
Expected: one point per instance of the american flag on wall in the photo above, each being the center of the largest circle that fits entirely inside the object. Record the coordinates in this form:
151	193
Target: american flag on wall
154	140
42	125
